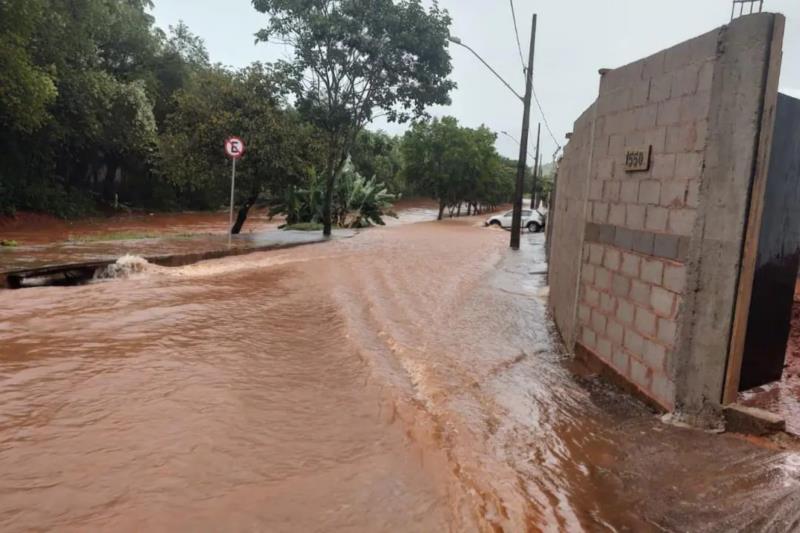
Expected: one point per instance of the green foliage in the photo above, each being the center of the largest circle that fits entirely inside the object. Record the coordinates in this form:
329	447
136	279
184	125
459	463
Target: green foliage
85	88
27	88
100	107
281	149
358	202
8	244
53	198
355	57
377	155
454	164
299	204
361	202
75	103
544	182
190	48
183	55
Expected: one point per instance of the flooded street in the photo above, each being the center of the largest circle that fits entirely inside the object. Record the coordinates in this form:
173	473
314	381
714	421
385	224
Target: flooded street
41	241
406	379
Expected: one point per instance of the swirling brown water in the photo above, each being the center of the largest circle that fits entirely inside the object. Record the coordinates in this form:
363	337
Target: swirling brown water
402	380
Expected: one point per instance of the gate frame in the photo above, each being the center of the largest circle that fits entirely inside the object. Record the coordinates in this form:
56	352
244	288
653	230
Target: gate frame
733	371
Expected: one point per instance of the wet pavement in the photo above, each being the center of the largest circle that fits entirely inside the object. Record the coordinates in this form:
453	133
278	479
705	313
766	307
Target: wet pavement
406	379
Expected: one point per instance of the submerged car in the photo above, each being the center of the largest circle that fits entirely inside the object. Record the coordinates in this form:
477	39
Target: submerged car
532	220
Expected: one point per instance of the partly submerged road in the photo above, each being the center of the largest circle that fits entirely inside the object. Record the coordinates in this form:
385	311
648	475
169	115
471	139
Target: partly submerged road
402	380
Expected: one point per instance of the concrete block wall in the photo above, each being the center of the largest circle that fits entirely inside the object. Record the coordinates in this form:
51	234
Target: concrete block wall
570	204
639	224
634	235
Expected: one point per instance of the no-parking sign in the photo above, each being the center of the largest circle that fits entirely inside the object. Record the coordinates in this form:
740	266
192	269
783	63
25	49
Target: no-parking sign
234	147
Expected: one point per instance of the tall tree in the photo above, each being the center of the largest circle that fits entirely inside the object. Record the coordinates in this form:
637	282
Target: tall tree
81	67
353	58
182	55
454	164
281	149
28	88
377	155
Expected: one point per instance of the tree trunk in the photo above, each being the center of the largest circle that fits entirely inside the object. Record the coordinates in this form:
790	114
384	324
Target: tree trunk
469	208
241	217
458	213
337	164
327	225
441	210
110	182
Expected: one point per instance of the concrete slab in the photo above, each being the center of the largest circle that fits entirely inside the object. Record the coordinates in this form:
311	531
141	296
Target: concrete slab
752	421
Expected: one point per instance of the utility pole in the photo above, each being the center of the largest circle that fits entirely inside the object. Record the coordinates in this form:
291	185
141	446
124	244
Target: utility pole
541	171
516	221
536	173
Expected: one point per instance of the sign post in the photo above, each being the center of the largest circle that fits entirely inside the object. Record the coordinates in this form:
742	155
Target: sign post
234	149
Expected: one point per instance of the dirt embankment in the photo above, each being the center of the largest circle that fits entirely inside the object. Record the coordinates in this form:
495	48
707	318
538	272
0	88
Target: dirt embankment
37	228
34	228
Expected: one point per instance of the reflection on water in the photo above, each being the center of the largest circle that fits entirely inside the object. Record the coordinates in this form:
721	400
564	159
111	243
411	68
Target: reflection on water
402	380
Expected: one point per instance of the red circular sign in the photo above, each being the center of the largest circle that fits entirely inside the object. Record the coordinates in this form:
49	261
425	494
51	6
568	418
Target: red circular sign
234	147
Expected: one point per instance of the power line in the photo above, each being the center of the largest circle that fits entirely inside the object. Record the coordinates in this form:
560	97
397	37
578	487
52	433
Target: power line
544	119
459	42
524	69
516	32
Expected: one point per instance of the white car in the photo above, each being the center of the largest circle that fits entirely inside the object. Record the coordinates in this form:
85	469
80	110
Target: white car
532	220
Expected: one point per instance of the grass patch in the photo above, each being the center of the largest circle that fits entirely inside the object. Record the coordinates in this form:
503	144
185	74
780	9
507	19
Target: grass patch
115	236
133	236
187	235
8	244
305	226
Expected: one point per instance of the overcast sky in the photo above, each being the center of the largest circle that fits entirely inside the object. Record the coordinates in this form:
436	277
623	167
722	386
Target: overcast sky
574	39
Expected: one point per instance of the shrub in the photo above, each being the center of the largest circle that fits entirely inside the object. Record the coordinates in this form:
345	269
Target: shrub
361	202
358	202
51	197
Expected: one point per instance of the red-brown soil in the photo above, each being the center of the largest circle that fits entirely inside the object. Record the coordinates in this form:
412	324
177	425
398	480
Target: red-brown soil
35	228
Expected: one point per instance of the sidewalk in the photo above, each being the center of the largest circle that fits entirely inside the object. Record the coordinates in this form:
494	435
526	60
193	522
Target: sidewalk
81	258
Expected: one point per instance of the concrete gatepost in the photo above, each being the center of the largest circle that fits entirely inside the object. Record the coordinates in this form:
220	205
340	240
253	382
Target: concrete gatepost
738	98
645	261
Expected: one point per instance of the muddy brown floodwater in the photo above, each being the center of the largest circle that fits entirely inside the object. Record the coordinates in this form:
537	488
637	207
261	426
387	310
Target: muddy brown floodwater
406	379
31	228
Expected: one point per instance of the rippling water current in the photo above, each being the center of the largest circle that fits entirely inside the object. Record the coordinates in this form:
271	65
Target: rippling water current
403	380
